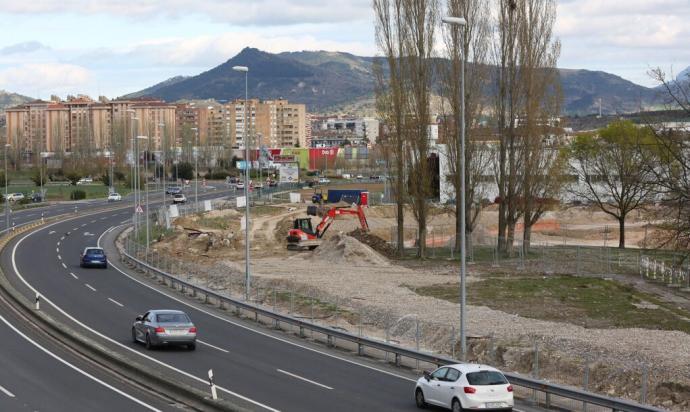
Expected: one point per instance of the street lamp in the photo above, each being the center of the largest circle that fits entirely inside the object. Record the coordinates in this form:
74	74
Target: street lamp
460	22
247	274
196	167
146	189
7	203
165	148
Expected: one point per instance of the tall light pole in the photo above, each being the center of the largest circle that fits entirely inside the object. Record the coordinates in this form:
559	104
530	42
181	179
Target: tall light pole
138	181
245	138
196	167
459	23
7	203
165	148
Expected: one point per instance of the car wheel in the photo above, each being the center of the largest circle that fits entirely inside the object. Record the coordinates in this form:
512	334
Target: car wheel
134	336
191	346
456	407
148	342
419	399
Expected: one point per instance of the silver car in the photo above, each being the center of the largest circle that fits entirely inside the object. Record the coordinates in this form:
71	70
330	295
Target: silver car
164	327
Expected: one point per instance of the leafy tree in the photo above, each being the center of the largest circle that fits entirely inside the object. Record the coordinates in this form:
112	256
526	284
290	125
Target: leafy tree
611	172
73	177
36	177
183	170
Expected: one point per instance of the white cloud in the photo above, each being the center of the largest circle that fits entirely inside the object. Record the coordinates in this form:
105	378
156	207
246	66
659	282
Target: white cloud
45	78
236	12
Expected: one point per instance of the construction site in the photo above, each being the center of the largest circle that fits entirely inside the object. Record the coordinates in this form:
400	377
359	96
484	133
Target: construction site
337	263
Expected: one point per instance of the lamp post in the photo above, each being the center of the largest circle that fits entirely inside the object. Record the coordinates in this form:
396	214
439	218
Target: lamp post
196	167
138	181
7	203
459	23
165	148
245	138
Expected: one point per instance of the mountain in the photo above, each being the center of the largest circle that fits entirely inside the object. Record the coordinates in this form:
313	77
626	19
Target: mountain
328	81
8	99
301	77
684	76
150	91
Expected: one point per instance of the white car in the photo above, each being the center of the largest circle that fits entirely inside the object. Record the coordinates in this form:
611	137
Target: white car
465	387
114	197
239	186
324	180
14	197
179	198
85	180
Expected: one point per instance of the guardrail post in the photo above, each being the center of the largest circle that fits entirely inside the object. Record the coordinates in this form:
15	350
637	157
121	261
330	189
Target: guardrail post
397	359
585	383
643	388
360	349
301	331
329	340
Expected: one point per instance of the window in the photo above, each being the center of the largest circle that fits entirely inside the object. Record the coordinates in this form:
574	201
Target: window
486	378
453	375
440	374
172	318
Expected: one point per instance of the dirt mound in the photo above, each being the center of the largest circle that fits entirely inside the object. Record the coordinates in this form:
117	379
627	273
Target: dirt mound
282	229
374	242
341	248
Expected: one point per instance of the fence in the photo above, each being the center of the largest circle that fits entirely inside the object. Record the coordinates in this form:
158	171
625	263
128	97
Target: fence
319	316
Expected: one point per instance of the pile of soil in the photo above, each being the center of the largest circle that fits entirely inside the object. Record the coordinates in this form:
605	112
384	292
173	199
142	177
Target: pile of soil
282	229
341	248
374	242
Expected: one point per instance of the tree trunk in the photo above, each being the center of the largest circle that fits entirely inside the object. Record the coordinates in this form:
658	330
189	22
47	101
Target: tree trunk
510	237
421	242
458	224
526	238
621	232
401	228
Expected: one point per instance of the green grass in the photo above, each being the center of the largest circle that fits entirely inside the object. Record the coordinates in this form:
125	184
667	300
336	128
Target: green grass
62	192
586	301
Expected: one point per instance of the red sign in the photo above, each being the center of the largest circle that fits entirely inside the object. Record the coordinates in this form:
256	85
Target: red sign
284	159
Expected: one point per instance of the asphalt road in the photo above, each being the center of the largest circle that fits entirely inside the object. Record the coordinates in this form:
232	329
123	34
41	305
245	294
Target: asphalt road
275	374
270	371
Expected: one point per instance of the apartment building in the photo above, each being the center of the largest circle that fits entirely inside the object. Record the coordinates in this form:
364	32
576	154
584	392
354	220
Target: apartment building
80	126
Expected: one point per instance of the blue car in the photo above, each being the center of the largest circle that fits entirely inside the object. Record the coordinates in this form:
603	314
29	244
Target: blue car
93	256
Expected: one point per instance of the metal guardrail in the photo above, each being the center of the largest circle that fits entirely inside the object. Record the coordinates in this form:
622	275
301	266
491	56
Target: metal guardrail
549	389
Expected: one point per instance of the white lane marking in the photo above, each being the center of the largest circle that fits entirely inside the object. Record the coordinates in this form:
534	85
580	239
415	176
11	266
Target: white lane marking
74	229
93	221
74	276
304	379
64	362
117	303
51	232
58	243
90	287
57	249
104	217
64	266
59	257
124	222
6	392
62	238
29	215
211	346
152	359
98	243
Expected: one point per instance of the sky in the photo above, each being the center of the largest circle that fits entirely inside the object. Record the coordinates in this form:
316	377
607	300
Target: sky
114	47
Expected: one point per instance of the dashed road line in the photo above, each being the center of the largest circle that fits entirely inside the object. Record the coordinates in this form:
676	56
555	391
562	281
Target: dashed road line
74	276
57	250
90	287
304	379
59	257
212	346
63	265
116	302
6	392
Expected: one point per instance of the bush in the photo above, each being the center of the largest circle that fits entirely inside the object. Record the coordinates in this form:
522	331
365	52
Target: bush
77	195
73	178
217	175
184	170
25	201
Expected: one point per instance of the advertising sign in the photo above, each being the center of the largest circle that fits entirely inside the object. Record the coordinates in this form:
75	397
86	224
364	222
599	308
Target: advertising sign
289	174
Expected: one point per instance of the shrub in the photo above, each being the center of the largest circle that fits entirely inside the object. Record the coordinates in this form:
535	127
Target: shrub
77	195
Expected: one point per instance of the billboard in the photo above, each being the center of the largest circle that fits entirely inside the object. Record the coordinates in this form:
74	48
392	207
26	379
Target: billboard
289	174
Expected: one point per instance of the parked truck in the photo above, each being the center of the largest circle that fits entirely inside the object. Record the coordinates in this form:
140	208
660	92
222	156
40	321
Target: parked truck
356	196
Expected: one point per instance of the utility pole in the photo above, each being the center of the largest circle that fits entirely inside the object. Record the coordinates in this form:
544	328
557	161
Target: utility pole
247	166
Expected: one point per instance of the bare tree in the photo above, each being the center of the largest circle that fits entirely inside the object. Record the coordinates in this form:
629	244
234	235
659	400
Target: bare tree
611	166
391	99
470	42
539	105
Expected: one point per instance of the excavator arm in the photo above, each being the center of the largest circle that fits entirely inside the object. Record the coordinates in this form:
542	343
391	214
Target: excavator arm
331	214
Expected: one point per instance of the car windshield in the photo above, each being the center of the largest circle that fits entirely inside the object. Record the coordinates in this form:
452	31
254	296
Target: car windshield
94	252
172	318
486	378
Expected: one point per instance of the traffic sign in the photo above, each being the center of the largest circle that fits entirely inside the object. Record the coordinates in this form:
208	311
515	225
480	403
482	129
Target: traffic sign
139	209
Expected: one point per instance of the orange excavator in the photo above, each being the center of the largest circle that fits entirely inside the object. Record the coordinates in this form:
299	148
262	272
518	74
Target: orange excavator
303	236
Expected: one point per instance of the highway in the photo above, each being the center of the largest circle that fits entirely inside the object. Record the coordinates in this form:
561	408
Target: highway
264	370
273	373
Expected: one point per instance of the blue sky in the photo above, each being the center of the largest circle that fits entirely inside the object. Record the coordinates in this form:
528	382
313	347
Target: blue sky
115	47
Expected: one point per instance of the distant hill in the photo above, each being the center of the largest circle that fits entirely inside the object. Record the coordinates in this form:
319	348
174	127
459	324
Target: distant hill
8	99
328	81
